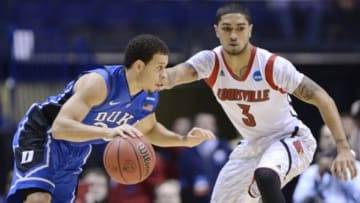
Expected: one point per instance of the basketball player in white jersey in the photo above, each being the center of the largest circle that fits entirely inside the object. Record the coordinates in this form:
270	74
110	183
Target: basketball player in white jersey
253	86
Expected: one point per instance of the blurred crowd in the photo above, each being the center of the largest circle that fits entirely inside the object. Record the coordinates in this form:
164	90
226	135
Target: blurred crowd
85	28
187	175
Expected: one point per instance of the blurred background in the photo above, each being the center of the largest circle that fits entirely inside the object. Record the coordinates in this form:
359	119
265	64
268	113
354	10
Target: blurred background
46	43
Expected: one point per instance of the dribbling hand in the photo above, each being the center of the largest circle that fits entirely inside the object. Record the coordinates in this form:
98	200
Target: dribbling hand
198	135
125	130
343	164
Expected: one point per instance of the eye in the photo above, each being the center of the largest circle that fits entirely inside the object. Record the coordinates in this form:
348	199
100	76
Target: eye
240	29
160	68
226	29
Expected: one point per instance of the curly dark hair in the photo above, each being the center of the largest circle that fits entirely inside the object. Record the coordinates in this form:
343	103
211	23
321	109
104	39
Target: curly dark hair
144	47
232	8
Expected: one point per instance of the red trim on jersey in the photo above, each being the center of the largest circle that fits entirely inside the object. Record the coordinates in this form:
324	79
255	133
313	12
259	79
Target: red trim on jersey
212	78
269	70
248	68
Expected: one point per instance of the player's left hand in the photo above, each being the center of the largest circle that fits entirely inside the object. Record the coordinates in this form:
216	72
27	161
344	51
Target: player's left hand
198	135
343	164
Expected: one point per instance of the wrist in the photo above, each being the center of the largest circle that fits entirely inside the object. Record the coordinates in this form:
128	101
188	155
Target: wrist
342	148
184	139
342	145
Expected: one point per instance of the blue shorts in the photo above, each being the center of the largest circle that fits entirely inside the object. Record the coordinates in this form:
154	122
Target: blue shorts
42	162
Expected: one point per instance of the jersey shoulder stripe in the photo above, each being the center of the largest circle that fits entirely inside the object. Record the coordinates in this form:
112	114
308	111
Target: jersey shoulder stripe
269	69
213	76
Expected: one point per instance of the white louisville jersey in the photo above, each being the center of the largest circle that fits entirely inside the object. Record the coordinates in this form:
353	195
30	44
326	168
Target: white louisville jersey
257	104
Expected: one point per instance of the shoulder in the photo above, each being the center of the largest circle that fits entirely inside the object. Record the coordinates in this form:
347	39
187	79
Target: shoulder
90	79
263	53
91	87
204	54
267	56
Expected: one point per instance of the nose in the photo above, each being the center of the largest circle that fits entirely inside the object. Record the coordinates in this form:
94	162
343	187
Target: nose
233	36
163	74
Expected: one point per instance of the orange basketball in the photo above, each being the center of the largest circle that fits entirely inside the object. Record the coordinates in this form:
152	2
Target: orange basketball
129	160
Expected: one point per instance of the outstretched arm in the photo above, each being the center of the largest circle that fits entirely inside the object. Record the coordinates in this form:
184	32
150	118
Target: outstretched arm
310	92
160	136
180	74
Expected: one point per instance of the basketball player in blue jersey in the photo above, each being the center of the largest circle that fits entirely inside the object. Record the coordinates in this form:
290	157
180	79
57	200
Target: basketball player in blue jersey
54	138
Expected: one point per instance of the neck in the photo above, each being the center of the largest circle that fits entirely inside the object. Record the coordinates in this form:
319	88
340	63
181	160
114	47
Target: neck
240	61
131	79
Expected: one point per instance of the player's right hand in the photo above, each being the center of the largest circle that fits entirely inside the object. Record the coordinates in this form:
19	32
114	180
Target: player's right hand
198	135
125	130
344	163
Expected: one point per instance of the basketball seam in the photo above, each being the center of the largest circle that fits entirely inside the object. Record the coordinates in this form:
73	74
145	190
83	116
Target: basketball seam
152	152
118	162
137	158
105	153
107	148
149	146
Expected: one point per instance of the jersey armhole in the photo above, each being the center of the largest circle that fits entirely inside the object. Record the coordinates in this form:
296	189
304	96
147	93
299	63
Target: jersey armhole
269	71
210	81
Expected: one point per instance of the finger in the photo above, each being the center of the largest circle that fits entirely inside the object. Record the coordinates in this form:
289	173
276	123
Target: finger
122	134
353	170
209	135
332	168
206	134
133	132
212	136
138	132
344	169
338	171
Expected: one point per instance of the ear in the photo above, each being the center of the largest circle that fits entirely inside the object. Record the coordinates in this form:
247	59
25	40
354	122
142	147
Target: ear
250	30
139	65
216	30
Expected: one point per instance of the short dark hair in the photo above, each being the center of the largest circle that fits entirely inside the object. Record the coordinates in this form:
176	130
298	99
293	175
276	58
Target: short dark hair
232	8
143	47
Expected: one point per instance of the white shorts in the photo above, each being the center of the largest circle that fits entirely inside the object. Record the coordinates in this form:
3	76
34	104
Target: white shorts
288	157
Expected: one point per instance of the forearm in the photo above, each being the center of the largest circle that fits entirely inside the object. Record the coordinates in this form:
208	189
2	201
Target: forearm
74	131
163	137
330	115
310	92
180	74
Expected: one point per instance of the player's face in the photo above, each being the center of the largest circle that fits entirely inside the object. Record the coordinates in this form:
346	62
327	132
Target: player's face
234	32
153	75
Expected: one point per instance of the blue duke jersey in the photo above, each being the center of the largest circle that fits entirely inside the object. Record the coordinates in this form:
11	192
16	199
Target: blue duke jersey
119	107
54	165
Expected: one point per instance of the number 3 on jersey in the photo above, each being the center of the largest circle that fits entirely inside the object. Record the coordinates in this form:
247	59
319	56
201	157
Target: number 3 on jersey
249	119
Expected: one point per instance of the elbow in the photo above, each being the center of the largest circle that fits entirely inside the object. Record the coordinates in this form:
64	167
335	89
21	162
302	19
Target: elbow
56	134
57	130
323	100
